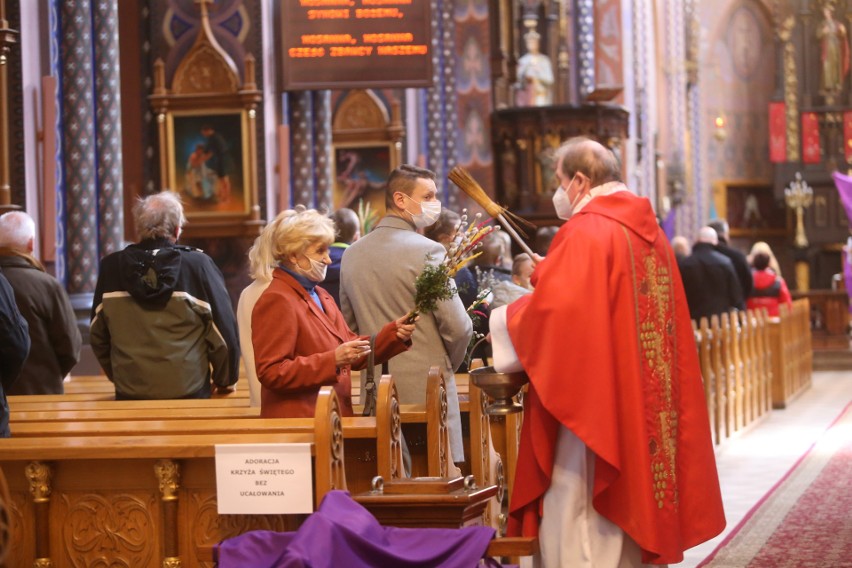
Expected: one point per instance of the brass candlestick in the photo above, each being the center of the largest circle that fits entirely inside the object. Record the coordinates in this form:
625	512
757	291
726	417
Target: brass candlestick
799	196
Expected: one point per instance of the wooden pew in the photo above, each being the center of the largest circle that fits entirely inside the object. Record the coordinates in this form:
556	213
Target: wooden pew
140	500
426	430
704	342
792	356
486	465
36	402
134	414
734	354
377	438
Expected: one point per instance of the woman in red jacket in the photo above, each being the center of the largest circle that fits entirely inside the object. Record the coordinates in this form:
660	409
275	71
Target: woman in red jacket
769	290
301	341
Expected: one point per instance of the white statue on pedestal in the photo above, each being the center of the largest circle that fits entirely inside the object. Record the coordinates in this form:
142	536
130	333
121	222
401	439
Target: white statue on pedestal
535	74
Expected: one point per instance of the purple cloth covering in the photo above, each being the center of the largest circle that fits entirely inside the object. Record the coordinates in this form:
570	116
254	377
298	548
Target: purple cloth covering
844	188
343	533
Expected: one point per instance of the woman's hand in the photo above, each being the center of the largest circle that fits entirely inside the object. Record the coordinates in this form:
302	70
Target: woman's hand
404	330
349	352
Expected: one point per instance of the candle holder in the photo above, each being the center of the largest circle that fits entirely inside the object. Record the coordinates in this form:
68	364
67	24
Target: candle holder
799	196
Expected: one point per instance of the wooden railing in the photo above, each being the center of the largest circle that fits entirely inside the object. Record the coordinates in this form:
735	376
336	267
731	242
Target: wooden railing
751	363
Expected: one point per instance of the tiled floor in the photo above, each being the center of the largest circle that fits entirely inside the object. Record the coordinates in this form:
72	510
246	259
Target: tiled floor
752	463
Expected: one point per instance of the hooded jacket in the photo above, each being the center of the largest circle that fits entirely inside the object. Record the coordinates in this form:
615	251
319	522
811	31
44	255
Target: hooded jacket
162	322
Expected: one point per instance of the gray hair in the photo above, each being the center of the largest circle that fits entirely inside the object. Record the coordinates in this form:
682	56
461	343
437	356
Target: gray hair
591	158
16	230
158	216
721	227
291	232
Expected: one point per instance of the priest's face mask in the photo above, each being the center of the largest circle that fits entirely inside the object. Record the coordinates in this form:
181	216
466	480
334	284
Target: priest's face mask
567	196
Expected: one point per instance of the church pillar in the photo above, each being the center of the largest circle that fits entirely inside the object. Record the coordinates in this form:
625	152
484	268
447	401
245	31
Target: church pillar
323	149
79	144
441	117
301	110
110	186
644	111
310	128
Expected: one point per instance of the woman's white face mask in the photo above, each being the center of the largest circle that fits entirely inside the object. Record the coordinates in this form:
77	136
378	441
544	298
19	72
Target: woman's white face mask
316	272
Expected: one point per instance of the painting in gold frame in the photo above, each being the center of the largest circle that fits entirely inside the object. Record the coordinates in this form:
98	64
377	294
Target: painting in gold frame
208	156
360	173
751	209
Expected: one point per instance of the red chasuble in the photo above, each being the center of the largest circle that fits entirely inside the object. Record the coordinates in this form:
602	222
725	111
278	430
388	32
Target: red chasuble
607	342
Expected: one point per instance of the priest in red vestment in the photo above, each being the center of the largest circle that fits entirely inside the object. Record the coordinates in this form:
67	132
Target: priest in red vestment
616	464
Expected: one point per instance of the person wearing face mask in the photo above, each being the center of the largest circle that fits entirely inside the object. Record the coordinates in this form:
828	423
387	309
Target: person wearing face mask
299	338
377	277
616	464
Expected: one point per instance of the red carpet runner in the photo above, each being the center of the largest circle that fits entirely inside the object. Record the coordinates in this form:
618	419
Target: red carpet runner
806	519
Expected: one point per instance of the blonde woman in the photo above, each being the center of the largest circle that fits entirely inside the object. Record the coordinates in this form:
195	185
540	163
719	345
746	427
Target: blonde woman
299	337
761	246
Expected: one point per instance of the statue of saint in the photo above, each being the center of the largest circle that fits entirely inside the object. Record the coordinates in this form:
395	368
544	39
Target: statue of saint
535	74
834	53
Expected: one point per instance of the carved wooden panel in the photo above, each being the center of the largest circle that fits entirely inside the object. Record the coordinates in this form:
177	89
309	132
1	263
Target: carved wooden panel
525	140
113	529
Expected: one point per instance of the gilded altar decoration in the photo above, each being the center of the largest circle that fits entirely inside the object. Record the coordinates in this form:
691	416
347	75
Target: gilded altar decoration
171	562
168	474
40	477
791	87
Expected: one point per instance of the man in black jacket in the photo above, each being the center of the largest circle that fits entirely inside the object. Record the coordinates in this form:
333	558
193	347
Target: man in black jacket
738	259
162	322
14	347
709	279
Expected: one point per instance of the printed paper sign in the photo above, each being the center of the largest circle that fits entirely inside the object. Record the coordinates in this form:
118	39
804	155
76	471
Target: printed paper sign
264	479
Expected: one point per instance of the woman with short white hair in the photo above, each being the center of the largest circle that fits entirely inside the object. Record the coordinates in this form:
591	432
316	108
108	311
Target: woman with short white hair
299	337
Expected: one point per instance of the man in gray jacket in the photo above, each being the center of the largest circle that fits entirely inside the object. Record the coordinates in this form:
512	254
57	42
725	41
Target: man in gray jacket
377	277
162	321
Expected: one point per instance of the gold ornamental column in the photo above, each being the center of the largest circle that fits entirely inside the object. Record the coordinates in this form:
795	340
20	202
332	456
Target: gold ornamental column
40	476
8	37
168	475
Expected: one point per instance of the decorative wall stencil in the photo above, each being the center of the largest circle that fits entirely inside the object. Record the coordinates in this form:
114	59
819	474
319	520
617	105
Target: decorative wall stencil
441	117
79	143
473	92
108	128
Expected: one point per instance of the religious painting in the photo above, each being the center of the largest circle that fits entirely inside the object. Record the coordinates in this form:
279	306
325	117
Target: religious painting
751	209
208	161
360	174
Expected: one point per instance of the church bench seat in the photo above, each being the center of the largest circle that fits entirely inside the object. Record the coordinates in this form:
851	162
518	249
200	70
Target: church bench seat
141	499
373	442
185	413
37	402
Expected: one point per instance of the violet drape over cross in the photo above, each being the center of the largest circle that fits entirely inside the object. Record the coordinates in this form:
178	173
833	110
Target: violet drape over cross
844	188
